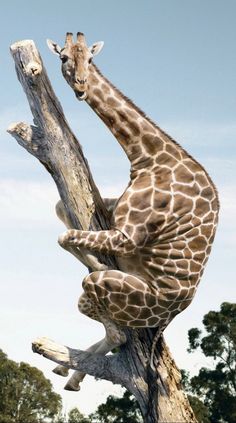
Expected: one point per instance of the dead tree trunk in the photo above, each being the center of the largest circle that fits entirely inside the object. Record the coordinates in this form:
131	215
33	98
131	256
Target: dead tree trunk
50	139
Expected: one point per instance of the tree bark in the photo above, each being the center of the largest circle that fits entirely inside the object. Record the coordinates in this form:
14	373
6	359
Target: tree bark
50	139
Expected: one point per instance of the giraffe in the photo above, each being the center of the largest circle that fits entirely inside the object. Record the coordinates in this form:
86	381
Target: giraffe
162	226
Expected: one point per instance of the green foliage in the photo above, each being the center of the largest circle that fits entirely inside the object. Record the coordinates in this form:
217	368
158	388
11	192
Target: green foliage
26	395
200	410
216	386
118	410
75	416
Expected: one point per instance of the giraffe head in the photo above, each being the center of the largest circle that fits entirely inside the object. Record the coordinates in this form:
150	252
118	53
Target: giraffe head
76	59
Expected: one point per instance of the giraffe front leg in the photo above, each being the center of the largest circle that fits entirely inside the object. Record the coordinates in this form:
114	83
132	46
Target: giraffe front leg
109	242
83	255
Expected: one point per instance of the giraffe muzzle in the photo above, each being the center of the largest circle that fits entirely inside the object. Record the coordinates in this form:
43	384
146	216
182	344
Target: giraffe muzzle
81	89
81	95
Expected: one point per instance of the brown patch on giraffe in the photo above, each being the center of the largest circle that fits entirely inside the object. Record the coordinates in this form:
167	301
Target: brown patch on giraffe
93	80
111	284
134	128
182	174
187	253
135	151
141	181
118	298
207	230
187	218
92	237
122	115
147	127
184	294
192	165
210	217
199	256
152	144
182	264
208	193
202	207
201	179
194	232
136	298
196	221
195	267
135	283
191	191
176	254
105	88
173	150
133	311
150	300
98	93
121	316
129	230
137	216
182	204
152	321
166	159
133	115
119	221
143	201
163	178
113	308
164	315
123	136
94	103
112	102
138	323
162	201
121	209
198	244
185	283
179	244
100	291
172	307
145	312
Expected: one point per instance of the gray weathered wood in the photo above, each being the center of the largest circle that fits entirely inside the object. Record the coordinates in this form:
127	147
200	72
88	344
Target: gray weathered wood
50	140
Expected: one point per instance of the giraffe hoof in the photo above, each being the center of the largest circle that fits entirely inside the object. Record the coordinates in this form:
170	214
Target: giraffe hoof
61	371
71	387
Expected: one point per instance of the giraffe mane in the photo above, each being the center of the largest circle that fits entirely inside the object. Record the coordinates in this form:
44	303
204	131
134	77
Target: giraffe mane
143	114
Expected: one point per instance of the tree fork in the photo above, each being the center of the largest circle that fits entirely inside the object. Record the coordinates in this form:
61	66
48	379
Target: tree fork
51	141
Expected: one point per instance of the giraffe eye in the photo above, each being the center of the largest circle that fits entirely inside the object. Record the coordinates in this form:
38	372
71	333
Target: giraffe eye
64	58
90	60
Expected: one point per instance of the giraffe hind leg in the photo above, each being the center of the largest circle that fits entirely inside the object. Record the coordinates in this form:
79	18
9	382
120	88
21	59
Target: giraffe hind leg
102	347
124	299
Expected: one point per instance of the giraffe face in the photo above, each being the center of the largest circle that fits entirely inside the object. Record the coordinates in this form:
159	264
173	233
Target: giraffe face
76	59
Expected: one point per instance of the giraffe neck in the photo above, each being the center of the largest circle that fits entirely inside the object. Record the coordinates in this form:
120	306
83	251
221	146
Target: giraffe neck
140	138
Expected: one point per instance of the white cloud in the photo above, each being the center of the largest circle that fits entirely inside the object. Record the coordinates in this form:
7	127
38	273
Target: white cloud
202	134
27	202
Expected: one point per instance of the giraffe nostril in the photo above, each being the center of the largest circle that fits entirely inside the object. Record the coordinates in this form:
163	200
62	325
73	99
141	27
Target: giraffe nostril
81	81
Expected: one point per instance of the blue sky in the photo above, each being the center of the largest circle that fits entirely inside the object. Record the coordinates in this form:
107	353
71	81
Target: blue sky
177	61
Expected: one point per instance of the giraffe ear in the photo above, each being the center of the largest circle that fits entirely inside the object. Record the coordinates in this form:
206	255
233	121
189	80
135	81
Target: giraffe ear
54	47
96	48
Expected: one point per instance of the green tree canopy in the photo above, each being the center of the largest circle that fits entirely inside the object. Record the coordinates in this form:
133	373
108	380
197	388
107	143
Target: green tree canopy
216	386
75	416
118	410
26	395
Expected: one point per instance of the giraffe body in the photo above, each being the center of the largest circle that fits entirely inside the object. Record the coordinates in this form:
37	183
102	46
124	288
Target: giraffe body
163	225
